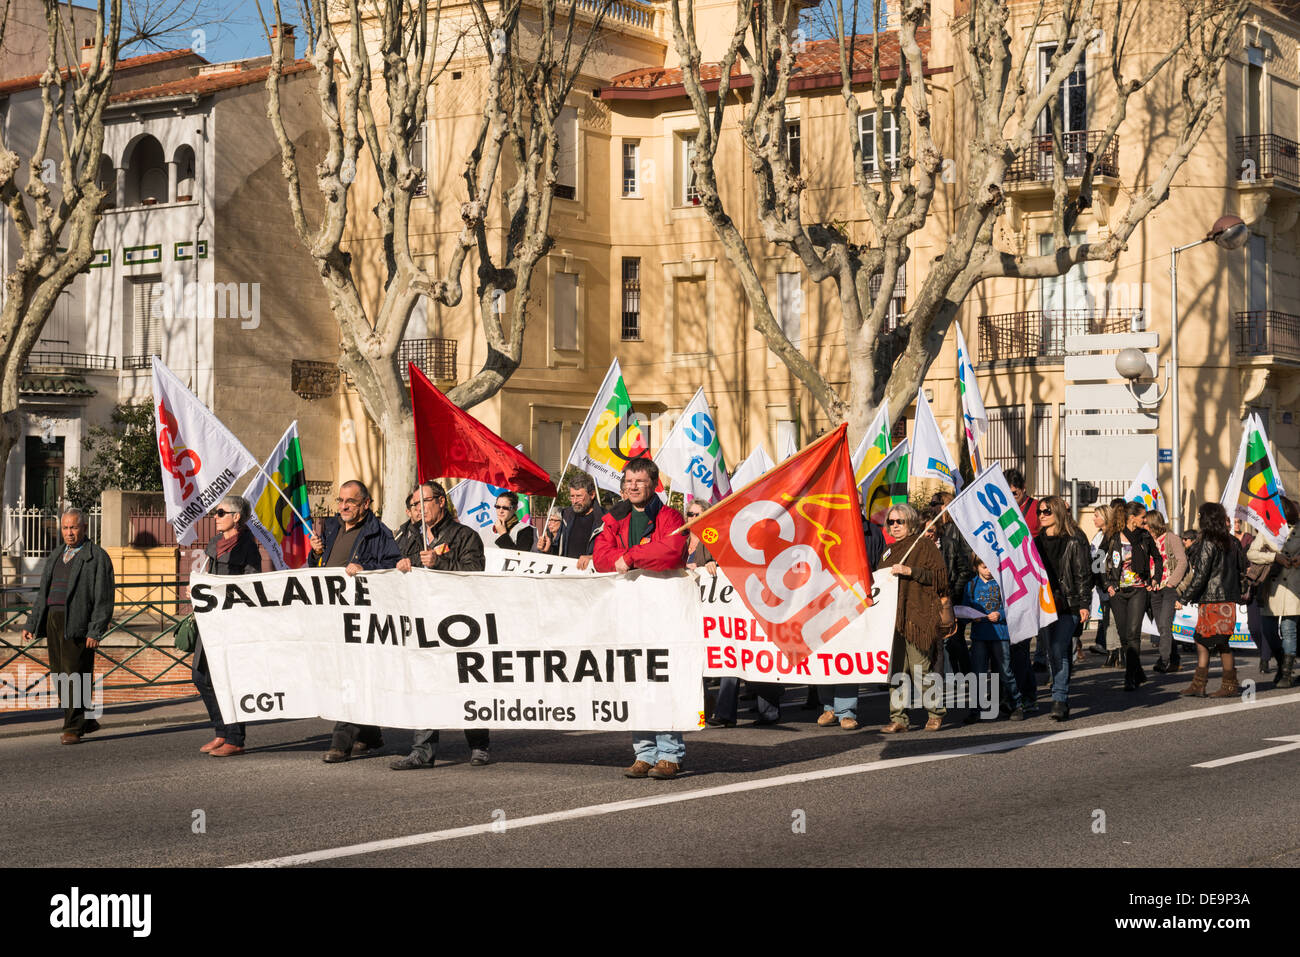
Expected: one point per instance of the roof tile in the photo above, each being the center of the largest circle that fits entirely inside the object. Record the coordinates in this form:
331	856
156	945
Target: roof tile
18	84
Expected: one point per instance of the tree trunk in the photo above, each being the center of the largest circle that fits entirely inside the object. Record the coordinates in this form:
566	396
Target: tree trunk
397	425
10	429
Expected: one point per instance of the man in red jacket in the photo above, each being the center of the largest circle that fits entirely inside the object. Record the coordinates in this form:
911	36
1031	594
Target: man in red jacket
640	532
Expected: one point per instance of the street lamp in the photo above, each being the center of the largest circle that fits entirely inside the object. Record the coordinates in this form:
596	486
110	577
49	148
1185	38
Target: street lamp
1228	232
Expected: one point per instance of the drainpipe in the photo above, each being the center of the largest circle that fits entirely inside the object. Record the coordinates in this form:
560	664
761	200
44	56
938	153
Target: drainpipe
201	192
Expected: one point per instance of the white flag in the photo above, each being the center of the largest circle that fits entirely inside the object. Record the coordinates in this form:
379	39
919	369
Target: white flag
975	421
199	457
752	468
691	457
993	525
786	445
930	456
610	435
1146	489
875	445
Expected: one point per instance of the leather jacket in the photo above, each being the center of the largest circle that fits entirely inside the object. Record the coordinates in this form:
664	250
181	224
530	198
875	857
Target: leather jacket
1072	572
1213	575
1146	553
956	559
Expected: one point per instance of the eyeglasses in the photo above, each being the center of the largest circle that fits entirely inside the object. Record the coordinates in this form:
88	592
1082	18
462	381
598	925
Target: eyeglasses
1044	511
503	508
896	521
694	514
222	513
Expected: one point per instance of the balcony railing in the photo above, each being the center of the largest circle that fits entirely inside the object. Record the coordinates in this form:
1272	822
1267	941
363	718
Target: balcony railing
137	362
436	358
1040	333
72	360
1035	163
1274	157
1262	333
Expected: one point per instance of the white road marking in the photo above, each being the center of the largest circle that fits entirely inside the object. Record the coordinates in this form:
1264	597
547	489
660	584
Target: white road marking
617	807
1252	755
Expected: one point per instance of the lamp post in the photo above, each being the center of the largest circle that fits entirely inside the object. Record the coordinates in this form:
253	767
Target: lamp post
1228	232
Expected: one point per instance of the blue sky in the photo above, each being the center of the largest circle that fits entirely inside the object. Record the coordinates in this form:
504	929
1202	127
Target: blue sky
231	30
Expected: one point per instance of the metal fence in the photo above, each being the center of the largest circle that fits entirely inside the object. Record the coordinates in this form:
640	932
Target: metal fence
1268	333
146	611
1274	157
1041	333
34	532
1035	163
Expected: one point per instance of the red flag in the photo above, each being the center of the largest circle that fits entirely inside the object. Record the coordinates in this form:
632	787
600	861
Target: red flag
792	543
450	443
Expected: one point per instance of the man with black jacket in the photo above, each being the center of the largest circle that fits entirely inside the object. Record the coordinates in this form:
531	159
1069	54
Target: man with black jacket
443	543
580	523
356	541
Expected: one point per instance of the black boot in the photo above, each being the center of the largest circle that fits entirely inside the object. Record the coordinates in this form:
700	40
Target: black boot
1161	666
1284	673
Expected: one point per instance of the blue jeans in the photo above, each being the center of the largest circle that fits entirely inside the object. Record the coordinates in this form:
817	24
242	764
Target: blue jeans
233	733
1287	626
845	701
655	746
1059	639
1000	653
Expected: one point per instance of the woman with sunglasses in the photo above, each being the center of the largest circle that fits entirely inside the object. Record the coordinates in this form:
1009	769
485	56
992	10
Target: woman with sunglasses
510	532
1067	559
232	551
1133	568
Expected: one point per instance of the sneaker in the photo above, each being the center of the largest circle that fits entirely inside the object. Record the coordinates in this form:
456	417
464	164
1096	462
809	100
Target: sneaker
640	769
1017	715
479	757
409	763
664	771
826	719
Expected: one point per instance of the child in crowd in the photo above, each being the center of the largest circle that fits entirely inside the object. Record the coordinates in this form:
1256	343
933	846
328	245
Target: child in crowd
989	635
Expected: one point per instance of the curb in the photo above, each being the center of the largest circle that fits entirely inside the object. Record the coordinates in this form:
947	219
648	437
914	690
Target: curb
128	721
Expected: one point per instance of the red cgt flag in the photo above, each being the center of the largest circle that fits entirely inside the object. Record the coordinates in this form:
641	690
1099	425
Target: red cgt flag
791	541
450	443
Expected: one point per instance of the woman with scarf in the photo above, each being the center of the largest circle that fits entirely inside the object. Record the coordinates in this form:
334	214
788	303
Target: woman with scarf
232	551
922	579
509	532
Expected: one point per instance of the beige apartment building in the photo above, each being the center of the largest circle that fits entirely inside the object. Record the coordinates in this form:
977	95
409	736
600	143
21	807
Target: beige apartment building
638	274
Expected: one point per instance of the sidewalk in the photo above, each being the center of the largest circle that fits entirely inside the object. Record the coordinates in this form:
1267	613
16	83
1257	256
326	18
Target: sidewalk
17	724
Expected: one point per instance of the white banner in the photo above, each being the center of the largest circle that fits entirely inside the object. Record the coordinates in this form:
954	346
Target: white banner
992	524
691	457
734	643
1185	627
431	649
199	457
506	561
930	456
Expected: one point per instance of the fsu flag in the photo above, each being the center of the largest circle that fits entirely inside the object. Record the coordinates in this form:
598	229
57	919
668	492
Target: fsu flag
450	443
691	457
792	541
277	528
1254	491
199	457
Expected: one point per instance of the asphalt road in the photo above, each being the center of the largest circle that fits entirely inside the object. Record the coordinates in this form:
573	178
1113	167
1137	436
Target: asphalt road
1108	788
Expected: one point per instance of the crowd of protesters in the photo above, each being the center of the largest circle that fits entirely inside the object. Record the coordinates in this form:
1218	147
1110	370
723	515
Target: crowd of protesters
1133	567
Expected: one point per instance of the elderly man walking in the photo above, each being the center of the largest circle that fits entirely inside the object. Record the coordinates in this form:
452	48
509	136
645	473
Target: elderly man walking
72	609
356	541
639	533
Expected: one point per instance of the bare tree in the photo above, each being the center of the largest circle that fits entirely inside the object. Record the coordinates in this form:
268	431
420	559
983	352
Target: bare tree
56	210
1005	112
530	75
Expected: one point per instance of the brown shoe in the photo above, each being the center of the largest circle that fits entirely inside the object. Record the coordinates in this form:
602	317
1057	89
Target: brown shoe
68	737
664	771
1228	688
212	745
826	719
934	724
335	756
893	728
1197	688
226	751
362	747
849	724
640	769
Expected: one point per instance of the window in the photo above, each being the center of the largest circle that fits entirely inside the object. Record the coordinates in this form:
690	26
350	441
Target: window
416	157
1257	292
631	166
789	310
1071	98
631	298
1066	304
1254	90
54	334
146	321
897	302
566	128
690	316
1005	441
888	141
549	450
792	148
688	193
1044	477
146	174
564	311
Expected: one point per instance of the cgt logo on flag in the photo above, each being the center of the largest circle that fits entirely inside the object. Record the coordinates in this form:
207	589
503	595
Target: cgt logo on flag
182	463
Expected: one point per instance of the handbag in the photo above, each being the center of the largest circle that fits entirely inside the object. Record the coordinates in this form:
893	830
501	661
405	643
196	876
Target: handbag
187	634
947	624
1257	578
